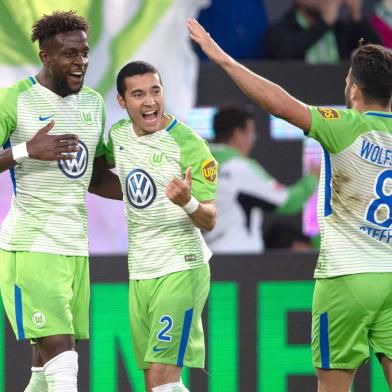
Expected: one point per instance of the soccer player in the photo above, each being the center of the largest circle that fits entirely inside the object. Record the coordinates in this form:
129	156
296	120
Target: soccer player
44	273
352	306
245	190
168	178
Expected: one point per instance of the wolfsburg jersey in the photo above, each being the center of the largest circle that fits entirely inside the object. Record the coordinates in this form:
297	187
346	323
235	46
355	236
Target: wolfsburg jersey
47	211
161	236
355	192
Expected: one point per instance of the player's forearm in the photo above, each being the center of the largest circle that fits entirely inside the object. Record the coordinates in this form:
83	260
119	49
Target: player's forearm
270	96
106	185
6	159
204	217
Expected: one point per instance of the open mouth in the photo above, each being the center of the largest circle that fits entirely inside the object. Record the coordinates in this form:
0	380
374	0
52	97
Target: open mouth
78	75
151	116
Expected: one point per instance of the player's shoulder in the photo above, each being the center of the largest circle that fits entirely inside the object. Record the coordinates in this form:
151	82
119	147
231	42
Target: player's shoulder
123	123
333	114
183	133
90	93
11	93
226	154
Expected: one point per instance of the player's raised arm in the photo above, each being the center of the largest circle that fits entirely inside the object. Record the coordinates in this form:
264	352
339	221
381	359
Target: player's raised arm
271	97
41	146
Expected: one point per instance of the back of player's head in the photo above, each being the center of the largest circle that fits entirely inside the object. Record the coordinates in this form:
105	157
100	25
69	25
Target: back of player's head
371	70
58	22
228	118
132	69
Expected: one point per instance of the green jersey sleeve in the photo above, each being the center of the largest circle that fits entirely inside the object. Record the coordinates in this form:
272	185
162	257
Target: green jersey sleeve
204	170
336	129
101	147
8	113
109	155
196	154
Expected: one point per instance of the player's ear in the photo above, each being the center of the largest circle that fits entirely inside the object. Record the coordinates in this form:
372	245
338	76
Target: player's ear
121	101
355	92
44	57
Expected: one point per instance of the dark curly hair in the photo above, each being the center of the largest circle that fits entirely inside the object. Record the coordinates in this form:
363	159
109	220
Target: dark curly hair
59	22
371	70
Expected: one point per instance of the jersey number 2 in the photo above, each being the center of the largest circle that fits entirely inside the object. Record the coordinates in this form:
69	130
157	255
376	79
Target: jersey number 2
383	199
162	334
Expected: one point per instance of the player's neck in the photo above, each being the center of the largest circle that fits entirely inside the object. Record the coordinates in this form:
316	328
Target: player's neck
371	107
44	79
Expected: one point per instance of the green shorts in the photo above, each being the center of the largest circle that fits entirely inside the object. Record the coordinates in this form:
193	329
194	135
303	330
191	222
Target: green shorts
165	316
45	294
350	314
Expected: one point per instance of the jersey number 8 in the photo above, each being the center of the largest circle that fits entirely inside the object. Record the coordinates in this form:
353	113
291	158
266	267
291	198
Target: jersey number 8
383	199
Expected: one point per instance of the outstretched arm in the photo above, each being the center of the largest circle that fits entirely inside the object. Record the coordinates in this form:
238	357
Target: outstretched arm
203	214
103	182
42	146
271	97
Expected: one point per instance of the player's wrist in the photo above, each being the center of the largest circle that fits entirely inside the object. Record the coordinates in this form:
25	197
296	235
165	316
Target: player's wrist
191	206
19	152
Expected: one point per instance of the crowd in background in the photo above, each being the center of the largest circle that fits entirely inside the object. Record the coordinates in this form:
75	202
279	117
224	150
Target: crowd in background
318	31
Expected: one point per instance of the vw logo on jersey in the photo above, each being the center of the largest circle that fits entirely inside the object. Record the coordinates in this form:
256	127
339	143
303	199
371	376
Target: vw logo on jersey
75	168
141	189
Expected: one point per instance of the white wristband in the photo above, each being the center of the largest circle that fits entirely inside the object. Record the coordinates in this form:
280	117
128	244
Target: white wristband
191	206
19	152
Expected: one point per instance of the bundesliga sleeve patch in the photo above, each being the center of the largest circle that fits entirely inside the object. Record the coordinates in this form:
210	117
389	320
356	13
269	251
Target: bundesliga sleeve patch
329	113
208	169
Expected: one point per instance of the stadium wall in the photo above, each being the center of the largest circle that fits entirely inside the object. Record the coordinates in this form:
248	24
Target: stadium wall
257	324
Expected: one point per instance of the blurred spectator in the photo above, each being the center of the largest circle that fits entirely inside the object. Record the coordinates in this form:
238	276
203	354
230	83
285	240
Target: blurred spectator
237	26
245	189
286	236
315	31
382	21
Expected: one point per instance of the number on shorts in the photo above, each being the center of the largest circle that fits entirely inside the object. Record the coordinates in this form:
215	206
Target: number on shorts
383	199
162	334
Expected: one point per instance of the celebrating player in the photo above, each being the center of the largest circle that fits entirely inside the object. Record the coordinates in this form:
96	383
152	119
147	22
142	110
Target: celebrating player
352	304
168	178
44	273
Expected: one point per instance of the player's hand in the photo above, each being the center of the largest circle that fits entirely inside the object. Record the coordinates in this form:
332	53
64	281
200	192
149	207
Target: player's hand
47	147
206	43
179	191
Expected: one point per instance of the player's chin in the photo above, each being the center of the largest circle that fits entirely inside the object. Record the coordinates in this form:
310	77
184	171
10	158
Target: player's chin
75	86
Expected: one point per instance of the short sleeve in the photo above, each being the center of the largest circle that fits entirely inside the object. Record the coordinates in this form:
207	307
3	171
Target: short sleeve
336	129
196	154
101	146
8	113
109	154
204	169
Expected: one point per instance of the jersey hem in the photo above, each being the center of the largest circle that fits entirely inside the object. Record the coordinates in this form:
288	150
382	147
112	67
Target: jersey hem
335	275
165	272
38	250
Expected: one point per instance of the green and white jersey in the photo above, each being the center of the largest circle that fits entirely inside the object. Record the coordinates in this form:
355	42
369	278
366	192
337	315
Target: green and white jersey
355	192
161	237
48	212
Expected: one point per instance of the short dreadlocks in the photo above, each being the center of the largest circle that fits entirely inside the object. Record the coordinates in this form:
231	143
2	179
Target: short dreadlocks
59	22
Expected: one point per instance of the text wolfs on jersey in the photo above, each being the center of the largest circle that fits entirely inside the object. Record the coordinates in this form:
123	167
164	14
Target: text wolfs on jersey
141	189
75	168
